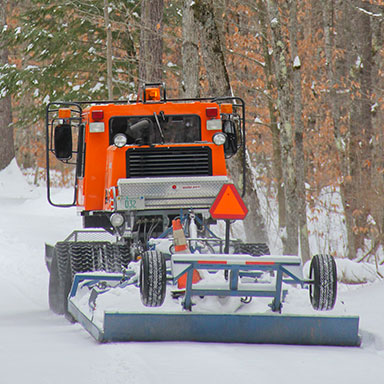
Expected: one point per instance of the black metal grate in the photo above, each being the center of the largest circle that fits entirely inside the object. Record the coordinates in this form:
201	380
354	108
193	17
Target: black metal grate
171	161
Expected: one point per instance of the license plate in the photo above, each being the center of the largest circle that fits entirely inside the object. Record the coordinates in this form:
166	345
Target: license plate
126	203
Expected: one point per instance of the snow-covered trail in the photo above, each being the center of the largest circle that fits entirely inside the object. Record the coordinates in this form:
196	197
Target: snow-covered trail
39	347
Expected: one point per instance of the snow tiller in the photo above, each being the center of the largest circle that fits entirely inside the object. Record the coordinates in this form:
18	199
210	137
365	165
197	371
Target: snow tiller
151	186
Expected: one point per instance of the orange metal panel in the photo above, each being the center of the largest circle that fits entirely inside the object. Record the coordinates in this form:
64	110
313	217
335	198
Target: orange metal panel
104	166
95	156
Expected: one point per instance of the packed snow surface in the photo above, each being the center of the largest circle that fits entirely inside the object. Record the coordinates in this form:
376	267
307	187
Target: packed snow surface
40	347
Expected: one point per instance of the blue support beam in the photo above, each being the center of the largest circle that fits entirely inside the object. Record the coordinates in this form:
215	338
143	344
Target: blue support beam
235	272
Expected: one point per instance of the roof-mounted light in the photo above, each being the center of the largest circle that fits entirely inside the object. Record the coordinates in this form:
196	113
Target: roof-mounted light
152	94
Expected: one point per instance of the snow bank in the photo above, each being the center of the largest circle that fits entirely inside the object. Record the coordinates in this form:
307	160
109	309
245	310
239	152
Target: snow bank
13	184
351	272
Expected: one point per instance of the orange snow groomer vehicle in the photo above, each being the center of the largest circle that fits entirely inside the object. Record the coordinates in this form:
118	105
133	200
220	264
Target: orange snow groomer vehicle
137	164
150	178
141	158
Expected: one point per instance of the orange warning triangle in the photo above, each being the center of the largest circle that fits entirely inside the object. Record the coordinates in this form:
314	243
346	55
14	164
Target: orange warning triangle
228	204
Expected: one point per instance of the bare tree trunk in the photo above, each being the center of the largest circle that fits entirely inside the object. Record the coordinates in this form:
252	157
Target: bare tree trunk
334	102
190	86
219	85
361	126
276	154
151	41
299	129
290	237
377	208
109	49
212	52
351	111
7	151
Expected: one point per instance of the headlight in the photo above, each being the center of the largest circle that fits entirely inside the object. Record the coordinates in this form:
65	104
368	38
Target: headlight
120	140
117	219
219	138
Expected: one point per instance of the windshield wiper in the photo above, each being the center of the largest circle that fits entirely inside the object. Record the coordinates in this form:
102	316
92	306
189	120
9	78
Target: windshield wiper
159	126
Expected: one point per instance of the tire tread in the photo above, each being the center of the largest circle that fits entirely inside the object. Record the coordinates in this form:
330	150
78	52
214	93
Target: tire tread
152	279
323	291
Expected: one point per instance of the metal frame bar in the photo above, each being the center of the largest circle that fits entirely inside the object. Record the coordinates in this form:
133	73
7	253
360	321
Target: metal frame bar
233	283
48	143
78	315
237	102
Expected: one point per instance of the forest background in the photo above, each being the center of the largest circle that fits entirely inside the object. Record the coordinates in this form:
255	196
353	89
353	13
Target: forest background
310	72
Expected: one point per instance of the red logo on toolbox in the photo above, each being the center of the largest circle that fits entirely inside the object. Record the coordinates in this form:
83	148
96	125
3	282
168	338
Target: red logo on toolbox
186	187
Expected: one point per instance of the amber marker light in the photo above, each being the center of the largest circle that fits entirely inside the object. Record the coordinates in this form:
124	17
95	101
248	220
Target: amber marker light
152	94
226	108
64	113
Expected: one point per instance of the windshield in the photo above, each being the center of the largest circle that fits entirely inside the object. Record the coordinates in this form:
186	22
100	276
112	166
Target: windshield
173	128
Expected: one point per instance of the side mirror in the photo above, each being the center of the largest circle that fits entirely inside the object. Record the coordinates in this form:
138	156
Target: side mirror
230	145
63	141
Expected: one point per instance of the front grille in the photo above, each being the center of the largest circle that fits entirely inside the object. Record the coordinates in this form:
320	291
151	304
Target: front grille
171	161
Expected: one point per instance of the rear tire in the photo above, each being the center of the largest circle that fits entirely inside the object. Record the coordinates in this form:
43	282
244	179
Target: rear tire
56	292
68	280
253	249
70	258
153	279
323	291
55	289
121	256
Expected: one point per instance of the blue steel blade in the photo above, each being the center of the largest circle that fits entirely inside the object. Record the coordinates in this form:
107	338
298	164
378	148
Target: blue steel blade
232	328
87	324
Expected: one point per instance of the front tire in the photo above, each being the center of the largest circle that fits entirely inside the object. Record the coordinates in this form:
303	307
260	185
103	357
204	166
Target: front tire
323	290
153	279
